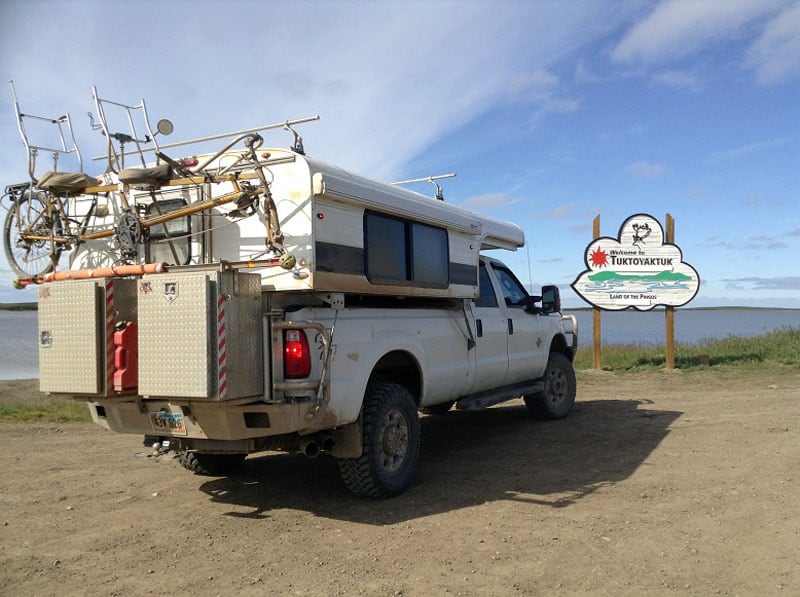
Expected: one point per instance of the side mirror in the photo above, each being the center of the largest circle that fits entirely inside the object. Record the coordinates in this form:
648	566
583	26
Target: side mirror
551	299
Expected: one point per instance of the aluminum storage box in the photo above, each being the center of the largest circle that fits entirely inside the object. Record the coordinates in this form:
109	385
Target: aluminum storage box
76	328
200	335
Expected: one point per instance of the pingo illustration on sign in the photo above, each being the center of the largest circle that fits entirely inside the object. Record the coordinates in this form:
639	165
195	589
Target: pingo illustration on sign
637	269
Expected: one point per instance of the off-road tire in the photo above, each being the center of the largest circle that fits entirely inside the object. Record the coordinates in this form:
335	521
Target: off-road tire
558	396
210	464
390	435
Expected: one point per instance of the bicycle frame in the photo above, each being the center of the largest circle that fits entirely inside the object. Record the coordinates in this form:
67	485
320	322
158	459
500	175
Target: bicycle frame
34	149
56	221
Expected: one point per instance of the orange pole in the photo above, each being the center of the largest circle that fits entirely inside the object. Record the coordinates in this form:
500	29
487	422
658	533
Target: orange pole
105	272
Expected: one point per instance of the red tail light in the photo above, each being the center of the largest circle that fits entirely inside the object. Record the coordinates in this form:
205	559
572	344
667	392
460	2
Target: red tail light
296	355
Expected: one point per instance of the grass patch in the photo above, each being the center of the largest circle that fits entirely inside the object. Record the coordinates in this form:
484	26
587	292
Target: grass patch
781	347
21	400
46	409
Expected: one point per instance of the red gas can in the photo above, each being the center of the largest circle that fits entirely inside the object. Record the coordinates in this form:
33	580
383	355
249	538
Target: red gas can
126	353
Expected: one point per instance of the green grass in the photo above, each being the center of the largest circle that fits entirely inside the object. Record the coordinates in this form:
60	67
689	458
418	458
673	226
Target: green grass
46	409
781	347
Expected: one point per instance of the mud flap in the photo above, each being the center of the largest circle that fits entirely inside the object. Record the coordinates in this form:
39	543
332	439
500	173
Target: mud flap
347	441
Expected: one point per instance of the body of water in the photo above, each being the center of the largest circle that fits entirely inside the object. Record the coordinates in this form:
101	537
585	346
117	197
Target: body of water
692	326
19	347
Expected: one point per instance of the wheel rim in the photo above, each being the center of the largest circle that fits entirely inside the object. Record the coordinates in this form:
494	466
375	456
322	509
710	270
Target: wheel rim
557	386
394	440
32	258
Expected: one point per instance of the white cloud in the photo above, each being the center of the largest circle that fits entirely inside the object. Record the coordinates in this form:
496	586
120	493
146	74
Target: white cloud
745	150
676	79
387	79
776	283
584	75
677	28
775	55
489	202
647	170
560	212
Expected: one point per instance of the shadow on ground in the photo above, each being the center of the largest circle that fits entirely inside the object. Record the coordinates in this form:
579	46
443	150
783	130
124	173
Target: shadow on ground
468	458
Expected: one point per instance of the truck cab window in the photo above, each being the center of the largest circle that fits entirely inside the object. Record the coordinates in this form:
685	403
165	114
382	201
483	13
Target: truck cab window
513	292
487	297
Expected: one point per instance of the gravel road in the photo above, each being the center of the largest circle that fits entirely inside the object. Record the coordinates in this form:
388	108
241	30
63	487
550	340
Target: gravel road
656	483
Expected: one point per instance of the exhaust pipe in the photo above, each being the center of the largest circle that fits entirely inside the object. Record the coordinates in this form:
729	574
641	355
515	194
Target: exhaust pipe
310	448
316	445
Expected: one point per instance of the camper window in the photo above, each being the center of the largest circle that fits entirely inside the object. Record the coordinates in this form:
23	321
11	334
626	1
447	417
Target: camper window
404	252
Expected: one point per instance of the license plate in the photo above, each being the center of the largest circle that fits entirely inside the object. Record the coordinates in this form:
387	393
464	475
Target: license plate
163	422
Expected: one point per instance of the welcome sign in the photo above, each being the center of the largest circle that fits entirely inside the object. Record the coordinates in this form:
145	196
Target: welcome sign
637	269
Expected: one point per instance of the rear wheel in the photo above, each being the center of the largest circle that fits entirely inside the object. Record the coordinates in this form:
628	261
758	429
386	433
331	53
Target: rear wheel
390	443
29	216
558	396
210	464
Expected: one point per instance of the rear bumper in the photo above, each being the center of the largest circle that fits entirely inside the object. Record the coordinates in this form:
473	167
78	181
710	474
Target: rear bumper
199	420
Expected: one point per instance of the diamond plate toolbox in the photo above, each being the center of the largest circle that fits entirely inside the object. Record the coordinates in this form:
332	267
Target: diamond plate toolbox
76	327
200	335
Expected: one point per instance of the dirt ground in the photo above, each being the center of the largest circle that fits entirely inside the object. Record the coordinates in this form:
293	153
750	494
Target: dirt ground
656	483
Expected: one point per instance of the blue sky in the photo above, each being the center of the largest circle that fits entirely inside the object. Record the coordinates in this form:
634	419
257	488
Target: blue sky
549	112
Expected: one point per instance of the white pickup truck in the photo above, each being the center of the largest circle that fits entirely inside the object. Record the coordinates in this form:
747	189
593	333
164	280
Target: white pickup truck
345	374
285	304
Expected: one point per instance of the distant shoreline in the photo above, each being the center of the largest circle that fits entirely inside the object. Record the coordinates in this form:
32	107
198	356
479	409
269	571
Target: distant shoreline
723	308
19	307
35	307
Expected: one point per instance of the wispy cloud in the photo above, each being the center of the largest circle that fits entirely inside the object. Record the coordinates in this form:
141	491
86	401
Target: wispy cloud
753	243
544	92
775	55
647	170
743	151
489	202
388	79
776	283
677	28
680	80
559	213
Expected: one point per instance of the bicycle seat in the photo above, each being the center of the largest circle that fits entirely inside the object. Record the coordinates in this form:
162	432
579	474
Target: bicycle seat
65	183
153	176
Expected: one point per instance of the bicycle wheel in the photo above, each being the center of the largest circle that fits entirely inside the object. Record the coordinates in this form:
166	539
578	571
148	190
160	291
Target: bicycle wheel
29	216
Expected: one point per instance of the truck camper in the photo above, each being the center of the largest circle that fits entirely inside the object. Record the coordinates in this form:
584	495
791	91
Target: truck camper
256	299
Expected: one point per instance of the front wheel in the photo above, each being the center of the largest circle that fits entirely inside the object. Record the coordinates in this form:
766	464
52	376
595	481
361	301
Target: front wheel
32	216
558	396
390	443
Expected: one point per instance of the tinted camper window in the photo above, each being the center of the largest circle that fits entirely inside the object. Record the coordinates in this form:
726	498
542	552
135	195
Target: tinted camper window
404	252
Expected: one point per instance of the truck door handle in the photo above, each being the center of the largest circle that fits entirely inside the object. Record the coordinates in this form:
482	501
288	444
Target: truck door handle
478	328
510	327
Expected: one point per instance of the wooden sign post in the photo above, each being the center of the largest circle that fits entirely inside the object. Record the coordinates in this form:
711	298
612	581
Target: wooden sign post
642	268
596	327
669	310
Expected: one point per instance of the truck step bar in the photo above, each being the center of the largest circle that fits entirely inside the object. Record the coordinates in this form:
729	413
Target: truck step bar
492	397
